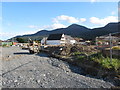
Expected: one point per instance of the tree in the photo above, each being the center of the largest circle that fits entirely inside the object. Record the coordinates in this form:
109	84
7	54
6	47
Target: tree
20	40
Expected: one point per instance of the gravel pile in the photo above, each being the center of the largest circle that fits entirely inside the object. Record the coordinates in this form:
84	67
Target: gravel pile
24	70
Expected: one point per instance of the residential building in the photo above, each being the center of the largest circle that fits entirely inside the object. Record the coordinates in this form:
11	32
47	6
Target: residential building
58	39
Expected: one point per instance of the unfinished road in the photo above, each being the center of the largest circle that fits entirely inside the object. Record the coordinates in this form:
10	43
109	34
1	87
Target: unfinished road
23	70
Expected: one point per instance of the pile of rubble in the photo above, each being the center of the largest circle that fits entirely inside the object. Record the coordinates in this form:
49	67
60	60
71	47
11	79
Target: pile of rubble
69	49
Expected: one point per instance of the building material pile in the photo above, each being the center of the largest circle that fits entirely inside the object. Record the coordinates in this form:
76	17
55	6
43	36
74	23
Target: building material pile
69	49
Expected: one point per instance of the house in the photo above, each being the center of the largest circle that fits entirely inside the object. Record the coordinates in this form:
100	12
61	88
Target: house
70	40
105	40
55	39
5	43
82	42
58	39
43	41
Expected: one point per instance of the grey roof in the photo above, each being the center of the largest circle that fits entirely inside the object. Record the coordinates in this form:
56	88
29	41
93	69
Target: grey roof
54	37
69	37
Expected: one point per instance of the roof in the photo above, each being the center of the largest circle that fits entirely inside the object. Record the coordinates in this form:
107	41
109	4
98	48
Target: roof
69	37
108	37
54	37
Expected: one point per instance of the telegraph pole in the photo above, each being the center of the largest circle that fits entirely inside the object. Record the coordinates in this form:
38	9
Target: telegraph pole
110	38
97	42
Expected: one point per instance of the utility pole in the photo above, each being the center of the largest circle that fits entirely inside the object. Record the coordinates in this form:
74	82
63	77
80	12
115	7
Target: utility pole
13	39
96	42
110	38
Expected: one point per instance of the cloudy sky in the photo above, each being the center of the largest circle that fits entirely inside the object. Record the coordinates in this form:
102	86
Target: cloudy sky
20	18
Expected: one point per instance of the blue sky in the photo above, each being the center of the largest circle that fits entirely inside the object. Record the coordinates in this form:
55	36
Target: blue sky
20	18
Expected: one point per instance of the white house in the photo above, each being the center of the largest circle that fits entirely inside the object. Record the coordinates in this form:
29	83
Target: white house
70	40
55	39
58	39
82	42
43	41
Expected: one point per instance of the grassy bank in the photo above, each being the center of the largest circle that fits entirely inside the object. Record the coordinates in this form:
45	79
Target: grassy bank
105	62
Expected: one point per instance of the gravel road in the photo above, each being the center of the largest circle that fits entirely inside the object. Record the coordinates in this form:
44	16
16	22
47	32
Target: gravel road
23	70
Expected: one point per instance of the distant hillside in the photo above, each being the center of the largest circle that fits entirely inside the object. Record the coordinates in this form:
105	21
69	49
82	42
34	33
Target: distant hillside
75	30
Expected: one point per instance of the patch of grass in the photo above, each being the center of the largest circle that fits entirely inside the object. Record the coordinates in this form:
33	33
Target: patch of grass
76	53
103	61
86	53
82	57
116	63
106	62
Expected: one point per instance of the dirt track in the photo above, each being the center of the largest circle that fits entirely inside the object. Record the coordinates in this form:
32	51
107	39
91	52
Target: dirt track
23	70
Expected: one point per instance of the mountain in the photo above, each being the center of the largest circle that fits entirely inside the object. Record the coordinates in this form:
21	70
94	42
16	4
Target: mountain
76	30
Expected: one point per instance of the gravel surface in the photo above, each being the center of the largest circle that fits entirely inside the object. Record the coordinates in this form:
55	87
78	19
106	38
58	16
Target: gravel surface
23	70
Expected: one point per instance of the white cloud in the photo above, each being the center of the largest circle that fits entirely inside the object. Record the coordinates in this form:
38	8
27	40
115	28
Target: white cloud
54	26
7	35
32	26
69	19
55	20
28	32
113	13
82	19
93	0
103	21
46	27
57	23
